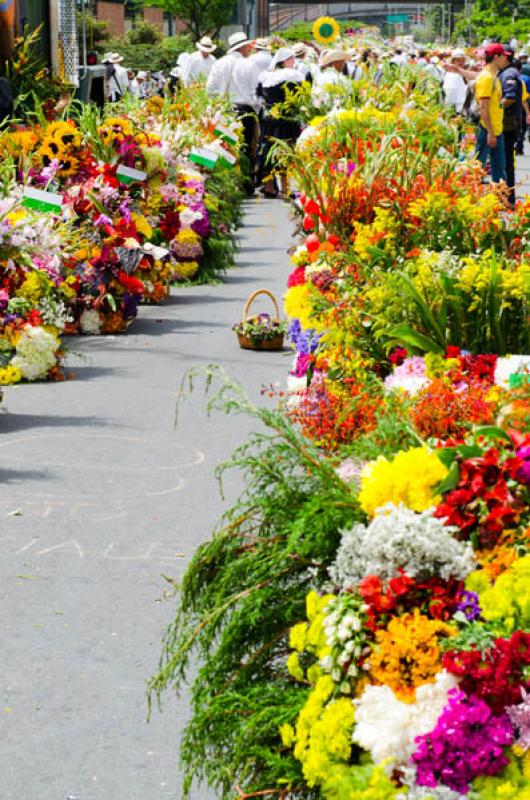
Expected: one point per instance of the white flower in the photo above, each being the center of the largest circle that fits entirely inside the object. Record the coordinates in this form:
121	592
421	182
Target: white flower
399	539
35	353
414	792
510	365
90	322
386	727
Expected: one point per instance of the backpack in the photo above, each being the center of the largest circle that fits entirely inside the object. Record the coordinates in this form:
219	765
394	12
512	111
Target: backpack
471	107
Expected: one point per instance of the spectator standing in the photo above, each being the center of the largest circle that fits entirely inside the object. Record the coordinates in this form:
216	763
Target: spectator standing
488	92
232	75
273	86
199	65
117	76
258	62
332	63
454	85
512	100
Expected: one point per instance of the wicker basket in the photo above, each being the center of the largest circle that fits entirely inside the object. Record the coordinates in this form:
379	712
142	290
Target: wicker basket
276	343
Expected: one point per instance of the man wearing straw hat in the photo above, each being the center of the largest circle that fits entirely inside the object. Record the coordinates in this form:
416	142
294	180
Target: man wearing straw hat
199	64
117	76
232	75
332	63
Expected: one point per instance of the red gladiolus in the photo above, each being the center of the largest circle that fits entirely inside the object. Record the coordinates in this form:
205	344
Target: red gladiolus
308	223
312	243
312	207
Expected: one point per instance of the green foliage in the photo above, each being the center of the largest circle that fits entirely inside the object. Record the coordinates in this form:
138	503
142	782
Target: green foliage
199	16
162	56
240	595
499	19
144	33
28	74
97	31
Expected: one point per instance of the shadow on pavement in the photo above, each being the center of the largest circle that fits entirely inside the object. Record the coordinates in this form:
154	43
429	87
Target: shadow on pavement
20	475
12	423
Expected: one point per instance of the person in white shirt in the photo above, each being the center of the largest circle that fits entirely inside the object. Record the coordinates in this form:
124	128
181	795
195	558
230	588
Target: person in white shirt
434	68
332	63
454	86
259	62
117	76
199	64
232	75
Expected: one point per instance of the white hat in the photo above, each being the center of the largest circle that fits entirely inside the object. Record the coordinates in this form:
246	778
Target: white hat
112	58
237	40
205	45
332	57
522	54
299	49
458	53
262	44
142	74
282	55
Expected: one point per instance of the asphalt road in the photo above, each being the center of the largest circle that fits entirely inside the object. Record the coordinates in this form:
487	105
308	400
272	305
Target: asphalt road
100	497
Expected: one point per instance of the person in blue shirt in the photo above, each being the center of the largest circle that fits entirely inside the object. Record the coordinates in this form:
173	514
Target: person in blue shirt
525	77
512	101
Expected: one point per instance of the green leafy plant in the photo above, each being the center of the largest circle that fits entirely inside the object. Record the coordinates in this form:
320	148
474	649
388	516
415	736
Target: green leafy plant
240	595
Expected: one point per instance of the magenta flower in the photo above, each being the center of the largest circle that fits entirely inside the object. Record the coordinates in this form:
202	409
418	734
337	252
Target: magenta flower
468	741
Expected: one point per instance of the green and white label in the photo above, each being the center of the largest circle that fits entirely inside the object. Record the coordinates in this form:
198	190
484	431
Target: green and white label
204	157
226	134
39	200
129	175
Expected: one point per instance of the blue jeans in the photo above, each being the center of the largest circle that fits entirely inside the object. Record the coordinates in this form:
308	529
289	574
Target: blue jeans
496	155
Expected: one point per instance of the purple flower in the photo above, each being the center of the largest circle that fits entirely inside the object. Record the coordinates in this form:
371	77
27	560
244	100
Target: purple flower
305	341
467	742
523	473
102	220
469	606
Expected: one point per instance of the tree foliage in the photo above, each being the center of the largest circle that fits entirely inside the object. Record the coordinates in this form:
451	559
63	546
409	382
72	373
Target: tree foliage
240	595
496	19
199	16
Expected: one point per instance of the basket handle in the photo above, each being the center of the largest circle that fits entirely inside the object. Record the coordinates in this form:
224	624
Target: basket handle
256	294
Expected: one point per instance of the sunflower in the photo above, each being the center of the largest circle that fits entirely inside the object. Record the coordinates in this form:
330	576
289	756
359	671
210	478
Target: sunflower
115	128
326	30
64	133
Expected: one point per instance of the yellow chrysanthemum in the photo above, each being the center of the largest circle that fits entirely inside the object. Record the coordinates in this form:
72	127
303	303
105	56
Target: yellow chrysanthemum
10	375
411	478
326	30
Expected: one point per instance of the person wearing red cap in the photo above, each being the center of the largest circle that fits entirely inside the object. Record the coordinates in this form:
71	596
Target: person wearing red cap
488	91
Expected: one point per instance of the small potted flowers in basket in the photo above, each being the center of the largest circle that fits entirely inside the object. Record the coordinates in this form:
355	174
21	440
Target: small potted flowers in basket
260	332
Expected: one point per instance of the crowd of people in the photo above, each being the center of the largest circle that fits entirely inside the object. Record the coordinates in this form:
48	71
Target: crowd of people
490	88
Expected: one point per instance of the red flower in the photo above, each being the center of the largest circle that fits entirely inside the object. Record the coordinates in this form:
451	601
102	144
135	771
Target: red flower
496	675
132	285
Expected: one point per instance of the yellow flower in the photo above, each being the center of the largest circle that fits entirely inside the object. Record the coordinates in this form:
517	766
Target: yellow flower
326	30
186	269
406	654
142	225
10	375
411	478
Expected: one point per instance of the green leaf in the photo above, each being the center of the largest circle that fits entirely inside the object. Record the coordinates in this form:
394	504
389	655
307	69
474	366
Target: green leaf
492	432
427	317
450	481
407	335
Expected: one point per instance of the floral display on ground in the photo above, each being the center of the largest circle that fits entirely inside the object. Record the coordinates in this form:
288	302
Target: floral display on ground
102	212
362	614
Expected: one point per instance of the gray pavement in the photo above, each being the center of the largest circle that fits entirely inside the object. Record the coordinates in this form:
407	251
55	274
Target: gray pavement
99	498
522	172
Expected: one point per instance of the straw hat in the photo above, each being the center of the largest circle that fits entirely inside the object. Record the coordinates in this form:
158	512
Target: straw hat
332	57
238	40
205	45
112	58
262	44
299	49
